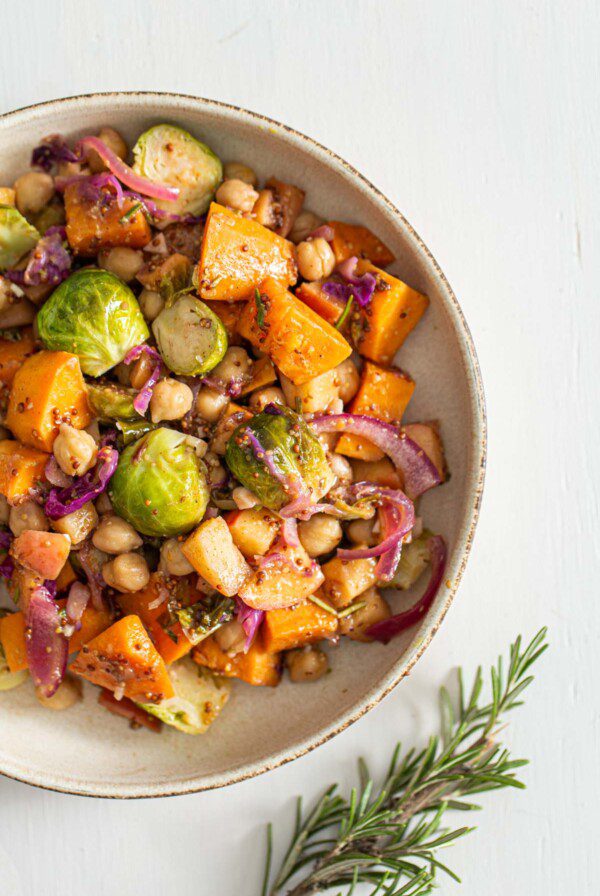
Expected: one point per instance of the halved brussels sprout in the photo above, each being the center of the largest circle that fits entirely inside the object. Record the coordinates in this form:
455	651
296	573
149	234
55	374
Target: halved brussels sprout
17	236
199	698
291	454
96	316
111	401
8	679
159	485
132	430
169	155
190	337
414	560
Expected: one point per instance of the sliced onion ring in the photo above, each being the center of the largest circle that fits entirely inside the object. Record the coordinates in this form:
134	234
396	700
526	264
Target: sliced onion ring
398	521
387	629
126	174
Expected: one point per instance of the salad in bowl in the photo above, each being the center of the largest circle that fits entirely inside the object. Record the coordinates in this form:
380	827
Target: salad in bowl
205	474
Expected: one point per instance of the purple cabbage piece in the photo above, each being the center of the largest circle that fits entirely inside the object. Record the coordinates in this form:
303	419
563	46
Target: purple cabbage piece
361	288
52	149
7	565
60	502
250	620
50	262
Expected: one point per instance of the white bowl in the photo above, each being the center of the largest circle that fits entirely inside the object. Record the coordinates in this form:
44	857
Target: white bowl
88	751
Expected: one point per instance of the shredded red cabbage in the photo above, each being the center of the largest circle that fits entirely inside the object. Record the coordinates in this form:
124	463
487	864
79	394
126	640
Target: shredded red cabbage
50	262
52	149
289	533
232	388
60	502
387	629
91	559
142	399
55	475
7	566
46	645
250	620
361	288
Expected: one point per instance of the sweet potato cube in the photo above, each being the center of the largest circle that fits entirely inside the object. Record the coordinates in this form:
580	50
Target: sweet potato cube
253	530
384	393
393	312
300	343
238	254
20	468
284	579
427	437
346	579
229	313
328	307
93	225
65	577
44	553
257	667
47	390
214	556
123	658
353	239
291	627
12	354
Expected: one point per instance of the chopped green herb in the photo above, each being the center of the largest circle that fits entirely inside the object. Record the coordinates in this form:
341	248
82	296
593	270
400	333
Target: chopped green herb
342	318
260	310
321	603
135	208
353	608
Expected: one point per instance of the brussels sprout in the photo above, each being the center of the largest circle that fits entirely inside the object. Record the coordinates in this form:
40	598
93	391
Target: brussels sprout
8	679
132	430
292	455
190	337
199	698
110	401
96	316
17	236
159	485
169	155
414	560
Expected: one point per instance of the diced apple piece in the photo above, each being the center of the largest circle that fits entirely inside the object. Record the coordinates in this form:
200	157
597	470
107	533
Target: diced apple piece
253	531
212	553
44	553
376	609
284	579
346	579
427	437
315	395
381	472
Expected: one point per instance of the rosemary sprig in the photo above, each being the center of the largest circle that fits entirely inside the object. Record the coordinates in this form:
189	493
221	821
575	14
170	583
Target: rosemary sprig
389	837
342	318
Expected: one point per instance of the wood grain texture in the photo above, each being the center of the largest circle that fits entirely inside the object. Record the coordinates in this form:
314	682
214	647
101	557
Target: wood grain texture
480	122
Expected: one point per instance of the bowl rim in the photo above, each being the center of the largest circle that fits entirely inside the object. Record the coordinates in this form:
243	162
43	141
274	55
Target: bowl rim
474	485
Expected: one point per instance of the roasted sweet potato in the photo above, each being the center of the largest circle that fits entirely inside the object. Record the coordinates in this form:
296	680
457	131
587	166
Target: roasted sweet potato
124	659
384	393
257	667
291	627
12	354
47	390
393	312
44	553
93	225
238	254
299	342
328	307
229	314
20	468
352	239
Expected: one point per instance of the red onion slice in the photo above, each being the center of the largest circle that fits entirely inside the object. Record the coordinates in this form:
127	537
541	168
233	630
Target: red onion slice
142	399
398	520
418	471
325	231
55	475
250	619
91	562
387	629
46	646
289	533
126	174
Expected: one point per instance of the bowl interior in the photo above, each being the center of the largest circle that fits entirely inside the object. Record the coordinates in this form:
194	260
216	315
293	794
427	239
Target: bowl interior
86	750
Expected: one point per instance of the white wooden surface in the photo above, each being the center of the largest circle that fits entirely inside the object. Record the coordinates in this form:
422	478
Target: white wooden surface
480	121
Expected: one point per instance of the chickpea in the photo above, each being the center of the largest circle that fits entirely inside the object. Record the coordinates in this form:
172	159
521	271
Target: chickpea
75	450
103	504
239	171
231	637
151	303
210	404
244	499
140	371
376	609
33	191
25	516
7	196
304	225
114	141
236	365
173	560
127	572
340	467
237	194
320	534
115	535
306	664
361	532
4	508
216	474
262	397
348	380
171	400
123	374
78	524
121	261
68	693
315	259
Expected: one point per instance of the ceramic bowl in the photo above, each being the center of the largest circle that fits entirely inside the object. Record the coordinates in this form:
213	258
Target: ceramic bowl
88	751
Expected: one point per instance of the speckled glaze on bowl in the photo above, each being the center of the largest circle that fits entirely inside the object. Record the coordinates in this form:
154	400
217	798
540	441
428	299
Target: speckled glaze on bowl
90	752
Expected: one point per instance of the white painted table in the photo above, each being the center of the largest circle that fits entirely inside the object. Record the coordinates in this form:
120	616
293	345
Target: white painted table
480	121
